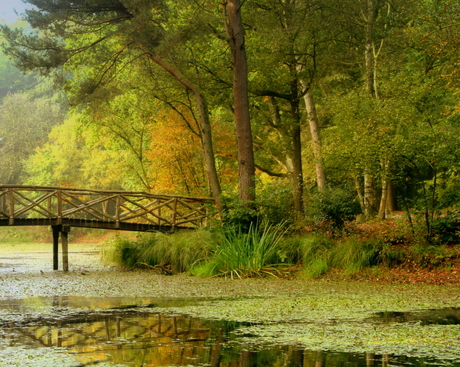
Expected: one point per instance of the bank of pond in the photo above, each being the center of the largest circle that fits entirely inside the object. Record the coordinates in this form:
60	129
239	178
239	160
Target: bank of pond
280	251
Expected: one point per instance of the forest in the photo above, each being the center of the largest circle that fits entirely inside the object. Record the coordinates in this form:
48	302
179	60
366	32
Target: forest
334	116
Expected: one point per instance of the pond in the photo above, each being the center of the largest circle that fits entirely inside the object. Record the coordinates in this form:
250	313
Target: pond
141	332
97	314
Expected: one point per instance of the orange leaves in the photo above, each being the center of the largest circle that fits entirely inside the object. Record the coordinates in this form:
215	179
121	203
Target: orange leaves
176	157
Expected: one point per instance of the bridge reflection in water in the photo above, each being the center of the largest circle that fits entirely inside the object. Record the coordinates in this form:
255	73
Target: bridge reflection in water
63	208
136	334
143	336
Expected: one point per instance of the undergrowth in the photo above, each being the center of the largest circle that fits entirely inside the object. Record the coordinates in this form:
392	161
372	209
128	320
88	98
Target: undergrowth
269	250
24	234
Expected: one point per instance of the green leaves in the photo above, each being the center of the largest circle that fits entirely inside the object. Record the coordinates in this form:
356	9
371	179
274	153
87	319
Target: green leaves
24	126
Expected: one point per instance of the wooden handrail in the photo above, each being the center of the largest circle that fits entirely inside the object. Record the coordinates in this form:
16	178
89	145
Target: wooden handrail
114	207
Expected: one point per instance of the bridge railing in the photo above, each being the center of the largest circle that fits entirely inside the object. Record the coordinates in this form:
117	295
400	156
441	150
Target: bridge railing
116	207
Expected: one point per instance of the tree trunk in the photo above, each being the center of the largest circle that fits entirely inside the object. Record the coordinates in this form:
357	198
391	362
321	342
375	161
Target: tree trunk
383	200
208	149
386	199
372	11
315	140
360	192
370	199
235	33
295	131
293	157
205	127
297	171
391	197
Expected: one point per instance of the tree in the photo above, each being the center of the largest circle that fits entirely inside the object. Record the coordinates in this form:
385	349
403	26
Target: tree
11	78
236	40
75	159
290	42
24	126
105	37
390	119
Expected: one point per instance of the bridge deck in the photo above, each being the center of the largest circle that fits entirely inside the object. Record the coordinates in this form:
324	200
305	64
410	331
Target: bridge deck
62	208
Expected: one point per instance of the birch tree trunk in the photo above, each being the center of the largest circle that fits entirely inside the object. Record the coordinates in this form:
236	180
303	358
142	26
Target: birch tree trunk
370	208
372	12
315	140
370	198
386	198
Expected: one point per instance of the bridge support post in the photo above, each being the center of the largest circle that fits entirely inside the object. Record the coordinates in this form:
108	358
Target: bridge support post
56	230
65	247
64	231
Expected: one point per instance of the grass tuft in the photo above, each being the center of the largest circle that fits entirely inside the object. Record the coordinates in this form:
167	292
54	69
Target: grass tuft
315	251
177	252
237	254
350	254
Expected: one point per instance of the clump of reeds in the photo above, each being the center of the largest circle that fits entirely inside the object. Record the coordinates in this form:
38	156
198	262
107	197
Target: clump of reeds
238	253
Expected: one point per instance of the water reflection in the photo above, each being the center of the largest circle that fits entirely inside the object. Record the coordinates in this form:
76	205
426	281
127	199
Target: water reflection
140	338
133	332
446	316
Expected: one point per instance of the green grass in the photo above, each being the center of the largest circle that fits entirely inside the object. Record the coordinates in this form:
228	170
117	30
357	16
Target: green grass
24	234
265	251
353	255
320	253
237	254
178	252
315	254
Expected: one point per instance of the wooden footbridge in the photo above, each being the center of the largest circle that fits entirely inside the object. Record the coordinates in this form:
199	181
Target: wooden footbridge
62	208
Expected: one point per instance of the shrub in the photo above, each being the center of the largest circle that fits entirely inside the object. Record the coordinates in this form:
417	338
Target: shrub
24	234
316	250
334	207
237	213
275	204
317	268
393	231
290	249
124	252
446	229
354	255
428	257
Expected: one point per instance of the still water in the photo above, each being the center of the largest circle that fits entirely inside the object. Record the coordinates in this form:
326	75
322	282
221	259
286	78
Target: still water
134	332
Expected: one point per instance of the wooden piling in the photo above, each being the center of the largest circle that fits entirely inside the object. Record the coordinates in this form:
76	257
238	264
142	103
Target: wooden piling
63	231
65	247
56	230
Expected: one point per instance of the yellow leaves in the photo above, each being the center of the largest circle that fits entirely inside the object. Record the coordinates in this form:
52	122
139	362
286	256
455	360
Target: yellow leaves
176	157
